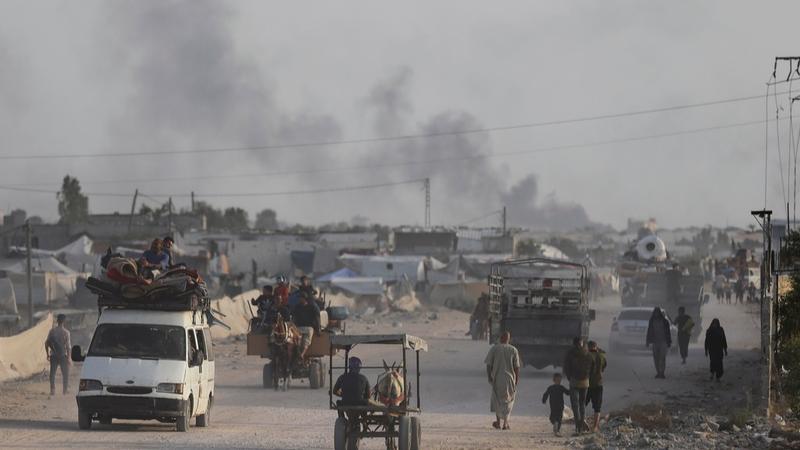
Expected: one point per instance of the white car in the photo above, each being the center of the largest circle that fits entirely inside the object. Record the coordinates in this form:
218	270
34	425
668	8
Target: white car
629	330
147	365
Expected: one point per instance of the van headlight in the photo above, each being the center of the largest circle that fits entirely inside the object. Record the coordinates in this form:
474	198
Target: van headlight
170	388
90	385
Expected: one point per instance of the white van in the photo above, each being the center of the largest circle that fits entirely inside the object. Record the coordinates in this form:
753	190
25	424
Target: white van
147	365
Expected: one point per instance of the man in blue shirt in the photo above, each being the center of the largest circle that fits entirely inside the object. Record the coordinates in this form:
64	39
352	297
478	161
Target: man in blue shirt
154	257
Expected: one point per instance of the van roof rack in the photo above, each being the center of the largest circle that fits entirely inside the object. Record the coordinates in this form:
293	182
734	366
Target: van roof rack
167	297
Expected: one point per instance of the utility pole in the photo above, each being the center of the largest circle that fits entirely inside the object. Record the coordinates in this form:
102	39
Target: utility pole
427	183
192	201
504	220
28	274
764	219
133	210
170	216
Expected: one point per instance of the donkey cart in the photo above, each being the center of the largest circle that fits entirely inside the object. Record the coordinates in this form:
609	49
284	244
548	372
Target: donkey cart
389	415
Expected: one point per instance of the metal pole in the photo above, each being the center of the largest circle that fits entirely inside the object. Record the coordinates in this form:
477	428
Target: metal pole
427	203
192	201
418	399
504	220
28	275
170	216
405	376
133	210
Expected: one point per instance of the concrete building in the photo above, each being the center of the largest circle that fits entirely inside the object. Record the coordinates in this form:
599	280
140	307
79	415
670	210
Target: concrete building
424	242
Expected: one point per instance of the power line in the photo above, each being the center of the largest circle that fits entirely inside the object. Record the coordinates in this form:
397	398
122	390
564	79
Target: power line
383	138
242	194
417	162
44	191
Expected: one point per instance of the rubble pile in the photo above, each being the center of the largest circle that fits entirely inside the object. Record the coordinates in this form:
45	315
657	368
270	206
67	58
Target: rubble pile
651	426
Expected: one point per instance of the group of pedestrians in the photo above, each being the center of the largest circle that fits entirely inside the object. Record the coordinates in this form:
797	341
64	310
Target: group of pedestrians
736	291
584	365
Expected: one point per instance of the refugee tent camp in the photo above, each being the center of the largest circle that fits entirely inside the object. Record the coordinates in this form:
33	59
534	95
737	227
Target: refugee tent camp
52	280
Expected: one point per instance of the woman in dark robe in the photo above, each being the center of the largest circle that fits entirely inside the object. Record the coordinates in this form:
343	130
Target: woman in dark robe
716	347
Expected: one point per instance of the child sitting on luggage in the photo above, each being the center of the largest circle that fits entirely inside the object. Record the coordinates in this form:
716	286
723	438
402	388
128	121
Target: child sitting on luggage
556	392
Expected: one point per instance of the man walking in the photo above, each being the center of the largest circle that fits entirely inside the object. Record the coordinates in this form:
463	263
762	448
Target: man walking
658	336
577	365
502	368
57	347
595	392
685	325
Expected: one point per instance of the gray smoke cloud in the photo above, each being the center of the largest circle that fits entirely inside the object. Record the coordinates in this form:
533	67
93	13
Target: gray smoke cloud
191	89
469	185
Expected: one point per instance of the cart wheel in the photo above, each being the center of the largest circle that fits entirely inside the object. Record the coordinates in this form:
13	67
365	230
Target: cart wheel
416	434
314	374
404	437
267	376
340	434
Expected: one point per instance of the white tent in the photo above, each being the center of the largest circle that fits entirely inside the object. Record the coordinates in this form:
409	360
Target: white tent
77	254
389	268
8	301
52	280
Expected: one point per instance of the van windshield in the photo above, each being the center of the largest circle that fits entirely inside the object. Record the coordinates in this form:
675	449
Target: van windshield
139	341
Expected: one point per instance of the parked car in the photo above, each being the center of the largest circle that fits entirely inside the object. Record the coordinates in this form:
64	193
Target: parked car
629	330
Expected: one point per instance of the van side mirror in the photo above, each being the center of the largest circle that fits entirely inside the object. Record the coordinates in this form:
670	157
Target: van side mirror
592	314
76	354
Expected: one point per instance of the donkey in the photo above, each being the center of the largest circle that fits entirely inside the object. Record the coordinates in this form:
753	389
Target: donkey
284	342
391	387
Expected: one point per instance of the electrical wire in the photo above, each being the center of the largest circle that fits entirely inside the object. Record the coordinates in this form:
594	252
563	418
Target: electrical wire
243	194
380	139
413	163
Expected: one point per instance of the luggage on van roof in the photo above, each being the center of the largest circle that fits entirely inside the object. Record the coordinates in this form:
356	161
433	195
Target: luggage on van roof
121	286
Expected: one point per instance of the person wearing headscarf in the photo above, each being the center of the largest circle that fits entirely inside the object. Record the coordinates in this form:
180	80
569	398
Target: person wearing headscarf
716	348
352	386
502	368
658	336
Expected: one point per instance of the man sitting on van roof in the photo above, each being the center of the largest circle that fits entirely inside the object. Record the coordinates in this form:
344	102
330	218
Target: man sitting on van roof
154	257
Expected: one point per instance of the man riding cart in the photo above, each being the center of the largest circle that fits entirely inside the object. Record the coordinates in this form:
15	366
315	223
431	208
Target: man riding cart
383	411
294	342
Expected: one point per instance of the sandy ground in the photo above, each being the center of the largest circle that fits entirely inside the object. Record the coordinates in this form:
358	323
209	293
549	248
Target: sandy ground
455	394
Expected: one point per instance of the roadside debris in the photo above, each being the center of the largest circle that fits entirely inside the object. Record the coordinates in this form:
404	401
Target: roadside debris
652	426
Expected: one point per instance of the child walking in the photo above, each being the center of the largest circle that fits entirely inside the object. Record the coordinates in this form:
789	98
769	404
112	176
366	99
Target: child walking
556	392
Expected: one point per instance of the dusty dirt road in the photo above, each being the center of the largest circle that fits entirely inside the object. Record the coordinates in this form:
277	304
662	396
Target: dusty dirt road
455	395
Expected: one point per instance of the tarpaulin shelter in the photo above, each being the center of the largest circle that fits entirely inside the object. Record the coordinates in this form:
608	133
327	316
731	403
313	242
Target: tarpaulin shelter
341	273
390	268
52	280
8	301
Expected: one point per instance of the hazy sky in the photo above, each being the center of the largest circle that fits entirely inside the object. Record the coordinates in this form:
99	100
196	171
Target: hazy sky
130	76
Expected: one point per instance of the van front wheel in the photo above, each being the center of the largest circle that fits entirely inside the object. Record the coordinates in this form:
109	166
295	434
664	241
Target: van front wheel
204	420
84	420
182	422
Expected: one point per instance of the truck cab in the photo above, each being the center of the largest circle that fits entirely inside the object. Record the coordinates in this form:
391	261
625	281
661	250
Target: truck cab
147	365
543	303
